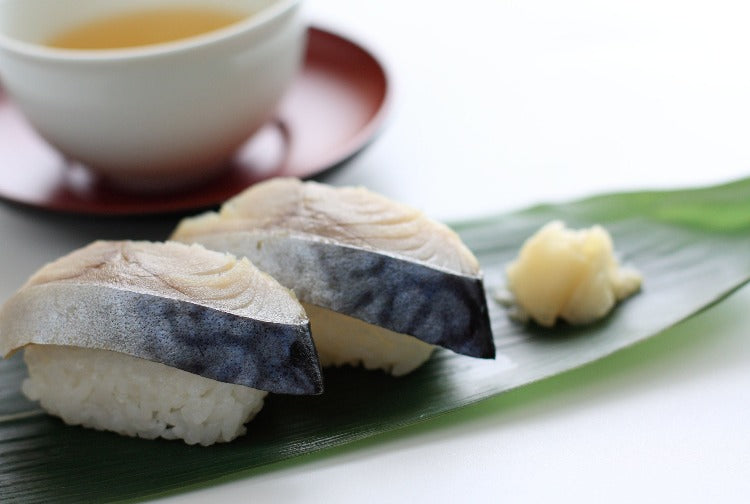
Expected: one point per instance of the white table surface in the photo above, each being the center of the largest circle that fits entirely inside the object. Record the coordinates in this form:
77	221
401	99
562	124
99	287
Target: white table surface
499	104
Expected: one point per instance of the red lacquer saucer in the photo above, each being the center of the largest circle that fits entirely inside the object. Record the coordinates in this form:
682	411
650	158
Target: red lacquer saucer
331	111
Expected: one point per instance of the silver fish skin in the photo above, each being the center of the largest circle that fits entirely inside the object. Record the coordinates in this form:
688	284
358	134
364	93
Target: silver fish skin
431	304
360	254
187	307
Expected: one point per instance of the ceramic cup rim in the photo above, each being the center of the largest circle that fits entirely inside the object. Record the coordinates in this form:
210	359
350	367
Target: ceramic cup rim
249	24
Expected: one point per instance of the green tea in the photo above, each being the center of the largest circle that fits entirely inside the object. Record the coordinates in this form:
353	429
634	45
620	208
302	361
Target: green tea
144	28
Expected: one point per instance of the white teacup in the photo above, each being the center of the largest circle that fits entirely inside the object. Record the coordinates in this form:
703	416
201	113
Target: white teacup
156	117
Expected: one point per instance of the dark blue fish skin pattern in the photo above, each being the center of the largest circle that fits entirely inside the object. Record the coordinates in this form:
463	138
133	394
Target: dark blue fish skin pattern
435	306
271	356
268	356
432	304
277	357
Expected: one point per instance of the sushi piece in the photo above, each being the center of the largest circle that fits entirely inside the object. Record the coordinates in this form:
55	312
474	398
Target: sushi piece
382	283
158	339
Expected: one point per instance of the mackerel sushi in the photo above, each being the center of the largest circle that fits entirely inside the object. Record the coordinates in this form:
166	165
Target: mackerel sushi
158	340
382	284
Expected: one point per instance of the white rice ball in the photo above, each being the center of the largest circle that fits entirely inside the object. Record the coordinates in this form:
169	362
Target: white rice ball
135	397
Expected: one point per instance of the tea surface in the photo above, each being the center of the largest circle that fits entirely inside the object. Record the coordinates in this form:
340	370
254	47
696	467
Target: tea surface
144	28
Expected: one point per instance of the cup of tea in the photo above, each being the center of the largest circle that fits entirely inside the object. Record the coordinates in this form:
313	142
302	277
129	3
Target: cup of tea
152	95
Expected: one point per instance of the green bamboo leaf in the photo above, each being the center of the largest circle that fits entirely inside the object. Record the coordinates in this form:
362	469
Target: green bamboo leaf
691	246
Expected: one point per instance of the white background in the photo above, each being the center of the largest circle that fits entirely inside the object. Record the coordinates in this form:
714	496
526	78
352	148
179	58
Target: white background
500	104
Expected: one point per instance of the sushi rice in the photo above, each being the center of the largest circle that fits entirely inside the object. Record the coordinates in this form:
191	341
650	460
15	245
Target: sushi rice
343	340
113	391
